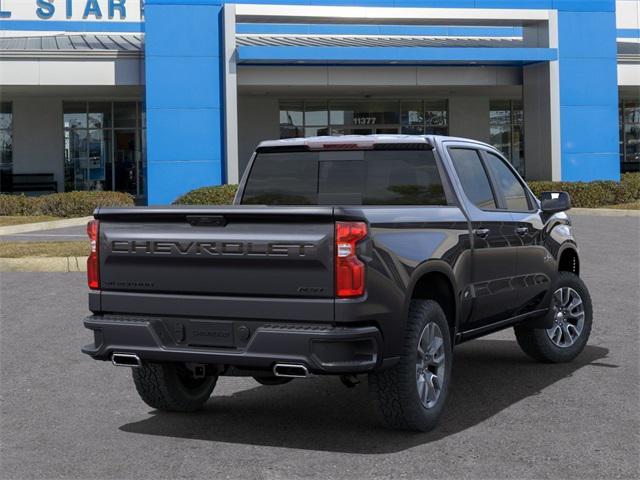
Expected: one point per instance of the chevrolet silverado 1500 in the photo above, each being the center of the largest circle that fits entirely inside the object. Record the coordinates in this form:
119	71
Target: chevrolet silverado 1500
341	256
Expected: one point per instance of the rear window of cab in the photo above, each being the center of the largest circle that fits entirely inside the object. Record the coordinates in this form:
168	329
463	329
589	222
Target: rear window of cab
369	177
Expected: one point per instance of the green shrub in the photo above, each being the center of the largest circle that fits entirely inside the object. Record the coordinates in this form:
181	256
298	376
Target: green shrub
594	194
80	204
218	195
69	204
630	188
18	205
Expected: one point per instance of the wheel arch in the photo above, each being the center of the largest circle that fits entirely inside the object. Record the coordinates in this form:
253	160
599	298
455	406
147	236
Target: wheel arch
434	280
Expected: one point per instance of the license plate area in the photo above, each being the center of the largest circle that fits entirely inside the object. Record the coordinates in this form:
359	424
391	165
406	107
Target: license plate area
206	333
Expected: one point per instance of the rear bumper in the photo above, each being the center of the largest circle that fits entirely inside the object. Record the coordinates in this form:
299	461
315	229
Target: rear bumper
322	348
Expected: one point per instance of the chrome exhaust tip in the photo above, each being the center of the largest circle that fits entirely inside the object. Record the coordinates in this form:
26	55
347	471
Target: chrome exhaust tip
126	360
290	370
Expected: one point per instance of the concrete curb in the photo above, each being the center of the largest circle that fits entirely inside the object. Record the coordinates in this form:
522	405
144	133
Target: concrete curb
39	226
44	264
604	212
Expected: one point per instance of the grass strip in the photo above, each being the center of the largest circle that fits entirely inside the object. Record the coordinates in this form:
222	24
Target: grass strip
8	220
78	248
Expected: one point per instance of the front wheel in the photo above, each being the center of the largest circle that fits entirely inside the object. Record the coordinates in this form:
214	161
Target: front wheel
572	319
172	387
411	395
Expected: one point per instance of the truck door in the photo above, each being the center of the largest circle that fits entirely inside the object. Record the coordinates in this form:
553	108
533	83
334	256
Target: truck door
494	239
535	264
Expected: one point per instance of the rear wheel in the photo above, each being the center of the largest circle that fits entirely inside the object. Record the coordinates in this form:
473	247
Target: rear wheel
172	387
572	318
411	395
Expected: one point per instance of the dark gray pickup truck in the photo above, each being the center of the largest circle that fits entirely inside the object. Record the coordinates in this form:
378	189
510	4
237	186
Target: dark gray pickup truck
341	256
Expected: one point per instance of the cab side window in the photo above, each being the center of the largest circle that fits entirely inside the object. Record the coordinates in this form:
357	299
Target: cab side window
510	189
473	177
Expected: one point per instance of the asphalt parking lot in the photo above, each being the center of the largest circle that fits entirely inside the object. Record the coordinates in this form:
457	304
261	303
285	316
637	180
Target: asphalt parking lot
66	416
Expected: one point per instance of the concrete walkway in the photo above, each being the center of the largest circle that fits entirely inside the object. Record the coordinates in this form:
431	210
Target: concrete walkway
40	226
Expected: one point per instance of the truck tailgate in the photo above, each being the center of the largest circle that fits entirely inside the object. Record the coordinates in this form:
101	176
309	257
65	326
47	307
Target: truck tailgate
227	251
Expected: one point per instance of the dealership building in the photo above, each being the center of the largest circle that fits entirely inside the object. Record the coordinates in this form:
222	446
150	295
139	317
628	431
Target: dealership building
159	97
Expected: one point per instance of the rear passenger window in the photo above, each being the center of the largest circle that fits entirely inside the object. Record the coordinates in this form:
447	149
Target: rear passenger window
510	187
473	177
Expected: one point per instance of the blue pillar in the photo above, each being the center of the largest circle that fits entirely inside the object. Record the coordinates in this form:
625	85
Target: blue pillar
588	90
184	96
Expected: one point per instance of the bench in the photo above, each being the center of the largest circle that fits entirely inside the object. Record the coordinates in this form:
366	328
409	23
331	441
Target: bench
33	182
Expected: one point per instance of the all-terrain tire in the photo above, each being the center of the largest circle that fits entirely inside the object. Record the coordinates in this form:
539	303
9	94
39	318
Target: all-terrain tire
537	343
394	391
170	387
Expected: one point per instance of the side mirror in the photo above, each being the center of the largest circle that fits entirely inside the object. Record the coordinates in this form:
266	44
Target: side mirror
554	202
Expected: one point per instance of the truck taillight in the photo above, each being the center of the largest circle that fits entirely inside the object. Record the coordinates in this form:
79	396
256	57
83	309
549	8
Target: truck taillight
93	274
349	268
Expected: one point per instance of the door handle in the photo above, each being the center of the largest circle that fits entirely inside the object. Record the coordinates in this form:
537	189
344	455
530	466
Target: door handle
522	231
481	232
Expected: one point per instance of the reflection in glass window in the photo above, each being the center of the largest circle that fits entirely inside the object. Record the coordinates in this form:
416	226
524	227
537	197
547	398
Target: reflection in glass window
412	113
345	177
510	187
316	131
75	114
629	135
473	177
100	115
412	130
316	114
124	114
6	146
506	123
436	114
283	178
291	119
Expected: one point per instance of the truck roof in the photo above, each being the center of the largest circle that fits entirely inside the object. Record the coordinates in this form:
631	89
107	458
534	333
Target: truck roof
361	140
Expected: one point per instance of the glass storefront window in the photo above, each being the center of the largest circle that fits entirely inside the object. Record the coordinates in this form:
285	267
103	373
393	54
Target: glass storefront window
6	146
631	112
412	130
99	115
316	131
104	147
630	136
6	116
142	161
75	115
500	112
291	119
506	124
316	114
362	117
124	115
412	113
364	113
436	113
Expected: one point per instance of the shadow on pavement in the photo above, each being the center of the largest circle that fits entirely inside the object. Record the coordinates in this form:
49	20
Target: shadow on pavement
320	414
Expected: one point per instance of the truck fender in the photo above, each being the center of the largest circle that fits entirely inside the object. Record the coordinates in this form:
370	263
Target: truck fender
437	266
